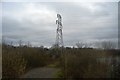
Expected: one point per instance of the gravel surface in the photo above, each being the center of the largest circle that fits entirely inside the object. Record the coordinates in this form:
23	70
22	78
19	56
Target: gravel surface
44	72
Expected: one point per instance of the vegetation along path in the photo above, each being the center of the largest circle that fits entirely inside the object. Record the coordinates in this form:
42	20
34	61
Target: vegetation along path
44	72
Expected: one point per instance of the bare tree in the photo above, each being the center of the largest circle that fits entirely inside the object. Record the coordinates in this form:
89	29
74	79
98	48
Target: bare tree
20	43
42	47
80	44
108	45
54	46
3	40
11	43
29	44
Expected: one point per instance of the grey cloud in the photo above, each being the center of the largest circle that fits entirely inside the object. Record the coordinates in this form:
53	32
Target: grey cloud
79	23
12	30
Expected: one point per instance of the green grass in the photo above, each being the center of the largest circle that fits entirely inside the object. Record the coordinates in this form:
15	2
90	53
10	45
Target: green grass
59	74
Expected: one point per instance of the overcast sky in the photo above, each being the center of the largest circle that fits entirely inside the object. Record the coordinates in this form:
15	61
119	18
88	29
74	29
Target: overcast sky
82	21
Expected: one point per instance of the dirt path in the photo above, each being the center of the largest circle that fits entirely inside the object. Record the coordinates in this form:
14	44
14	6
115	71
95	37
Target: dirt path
44	72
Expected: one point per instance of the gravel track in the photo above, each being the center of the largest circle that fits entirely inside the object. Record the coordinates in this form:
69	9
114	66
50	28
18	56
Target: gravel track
44	72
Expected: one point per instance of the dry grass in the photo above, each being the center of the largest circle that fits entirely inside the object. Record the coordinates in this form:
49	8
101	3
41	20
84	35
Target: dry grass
13	65
74	63
83	63
16	61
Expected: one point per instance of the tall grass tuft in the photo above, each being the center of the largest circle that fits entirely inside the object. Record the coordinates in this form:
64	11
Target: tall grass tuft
13	65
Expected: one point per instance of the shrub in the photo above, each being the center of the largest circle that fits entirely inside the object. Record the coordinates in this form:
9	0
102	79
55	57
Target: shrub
35	57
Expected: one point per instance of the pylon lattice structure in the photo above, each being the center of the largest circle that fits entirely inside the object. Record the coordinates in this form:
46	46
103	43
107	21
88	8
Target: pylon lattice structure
59	36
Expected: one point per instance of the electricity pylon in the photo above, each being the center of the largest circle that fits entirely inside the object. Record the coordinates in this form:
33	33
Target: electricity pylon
59	36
